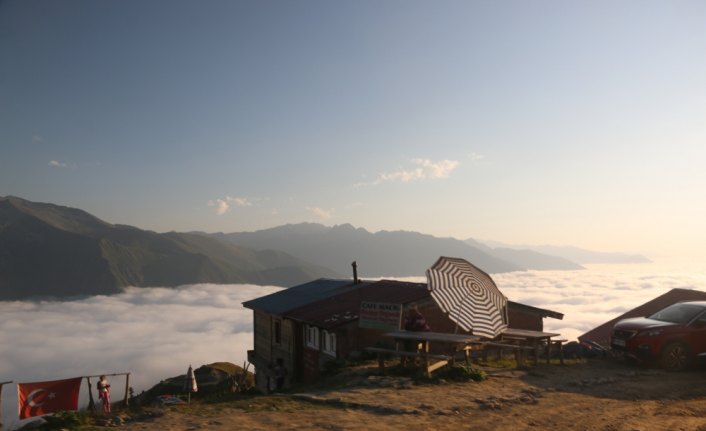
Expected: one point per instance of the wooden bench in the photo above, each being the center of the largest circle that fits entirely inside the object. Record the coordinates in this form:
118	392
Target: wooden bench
558	343
424	356
508	345
519	349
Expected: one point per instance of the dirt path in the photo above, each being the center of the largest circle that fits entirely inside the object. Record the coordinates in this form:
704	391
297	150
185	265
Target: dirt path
597	395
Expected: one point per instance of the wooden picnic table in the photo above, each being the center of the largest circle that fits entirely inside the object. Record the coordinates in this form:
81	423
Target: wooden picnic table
452	343
535	340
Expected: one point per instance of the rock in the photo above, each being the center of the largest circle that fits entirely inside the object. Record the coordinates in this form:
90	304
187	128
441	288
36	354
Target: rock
34	424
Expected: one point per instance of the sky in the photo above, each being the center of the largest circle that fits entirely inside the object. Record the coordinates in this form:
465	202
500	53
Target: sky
545	122
156	333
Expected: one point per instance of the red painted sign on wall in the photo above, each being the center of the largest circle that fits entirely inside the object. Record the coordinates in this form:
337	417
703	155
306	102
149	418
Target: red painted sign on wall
380	315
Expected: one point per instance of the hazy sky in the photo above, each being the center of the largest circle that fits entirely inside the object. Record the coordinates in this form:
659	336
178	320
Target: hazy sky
155	333
549	122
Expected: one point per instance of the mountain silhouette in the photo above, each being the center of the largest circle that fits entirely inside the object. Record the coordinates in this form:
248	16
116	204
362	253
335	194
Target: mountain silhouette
380	254
57	251
574	254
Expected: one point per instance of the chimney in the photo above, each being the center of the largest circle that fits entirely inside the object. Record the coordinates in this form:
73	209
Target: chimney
355	273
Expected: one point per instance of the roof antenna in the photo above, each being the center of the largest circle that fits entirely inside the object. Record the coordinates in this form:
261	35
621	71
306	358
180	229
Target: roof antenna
355	272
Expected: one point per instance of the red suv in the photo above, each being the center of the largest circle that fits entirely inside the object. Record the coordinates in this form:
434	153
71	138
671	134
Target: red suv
674	336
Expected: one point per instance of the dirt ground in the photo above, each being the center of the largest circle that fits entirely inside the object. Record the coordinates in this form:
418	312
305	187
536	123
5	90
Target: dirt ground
589	395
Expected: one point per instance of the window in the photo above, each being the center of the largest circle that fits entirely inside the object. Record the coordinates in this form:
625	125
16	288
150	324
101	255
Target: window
278	331
329	343
311	335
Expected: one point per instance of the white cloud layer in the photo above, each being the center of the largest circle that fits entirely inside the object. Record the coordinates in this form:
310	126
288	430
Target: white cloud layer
57	164
241	202
219	206
320	213
425	170
222	206
155	333
591	297
476	157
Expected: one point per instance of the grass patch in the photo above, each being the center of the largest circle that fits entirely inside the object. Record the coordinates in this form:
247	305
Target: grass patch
464	373
65	420
496	362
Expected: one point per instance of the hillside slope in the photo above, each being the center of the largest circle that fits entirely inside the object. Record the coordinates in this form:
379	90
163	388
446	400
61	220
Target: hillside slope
51	250
385	253
527	258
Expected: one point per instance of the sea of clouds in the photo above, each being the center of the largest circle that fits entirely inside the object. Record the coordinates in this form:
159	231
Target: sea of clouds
153	333
156	333
594	296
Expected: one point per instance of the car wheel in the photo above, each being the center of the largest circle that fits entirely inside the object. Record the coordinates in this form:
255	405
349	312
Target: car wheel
675	357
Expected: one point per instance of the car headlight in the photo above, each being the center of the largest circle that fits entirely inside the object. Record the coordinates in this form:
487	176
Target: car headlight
651	333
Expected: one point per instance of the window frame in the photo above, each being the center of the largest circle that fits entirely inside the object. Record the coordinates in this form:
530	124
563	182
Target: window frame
328	344
312	336
277	331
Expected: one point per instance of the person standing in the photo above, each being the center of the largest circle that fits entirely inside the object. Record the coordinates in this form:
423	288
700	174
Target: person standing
104	393
416	322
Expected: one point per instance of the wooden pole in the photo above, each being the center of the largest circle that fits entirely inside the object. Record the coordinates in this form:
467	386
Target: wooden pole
127	389
2	383
90	394
91	404
109	375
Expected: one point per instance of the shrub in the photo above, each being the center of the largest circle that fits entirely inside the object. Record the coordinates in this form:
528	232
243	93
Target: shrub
465	373
64	420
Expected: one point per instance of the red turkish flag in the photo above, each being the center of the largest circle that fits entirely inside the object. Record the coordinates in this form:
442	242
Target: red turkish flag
40	398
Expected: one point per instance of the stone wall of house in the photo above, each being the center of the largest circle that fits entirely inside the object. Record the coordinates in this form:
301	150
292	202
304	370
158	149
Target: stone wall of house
274	338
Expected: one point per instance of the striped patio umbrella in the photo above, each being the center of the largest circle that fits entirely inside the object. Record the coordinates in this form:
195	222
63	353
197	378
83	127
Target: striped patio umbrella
468	295
190	384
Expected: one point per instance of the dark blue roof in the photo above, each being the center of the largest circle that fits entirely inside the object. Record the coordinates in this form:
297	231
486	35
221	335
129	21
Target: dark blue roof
297	296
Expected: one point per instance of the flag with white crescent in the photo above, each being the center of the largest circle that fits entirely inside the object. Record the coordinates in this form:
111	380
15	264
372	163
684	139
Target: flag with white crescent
39	398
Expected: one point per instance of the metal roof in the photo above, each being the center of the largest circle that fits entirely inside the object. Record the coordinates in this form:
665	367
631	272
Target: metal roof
297	296
344	307
328	303
536	310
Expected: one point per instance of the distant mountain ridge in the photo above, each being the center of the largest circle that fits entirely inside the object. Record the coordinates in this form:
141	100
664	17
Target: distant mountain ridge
385	253
575	254
530	259
52	250
58	251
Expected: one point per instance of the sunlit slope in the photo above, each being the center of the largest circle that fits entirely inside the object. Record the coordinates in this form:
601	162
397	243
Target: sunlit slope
47	249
